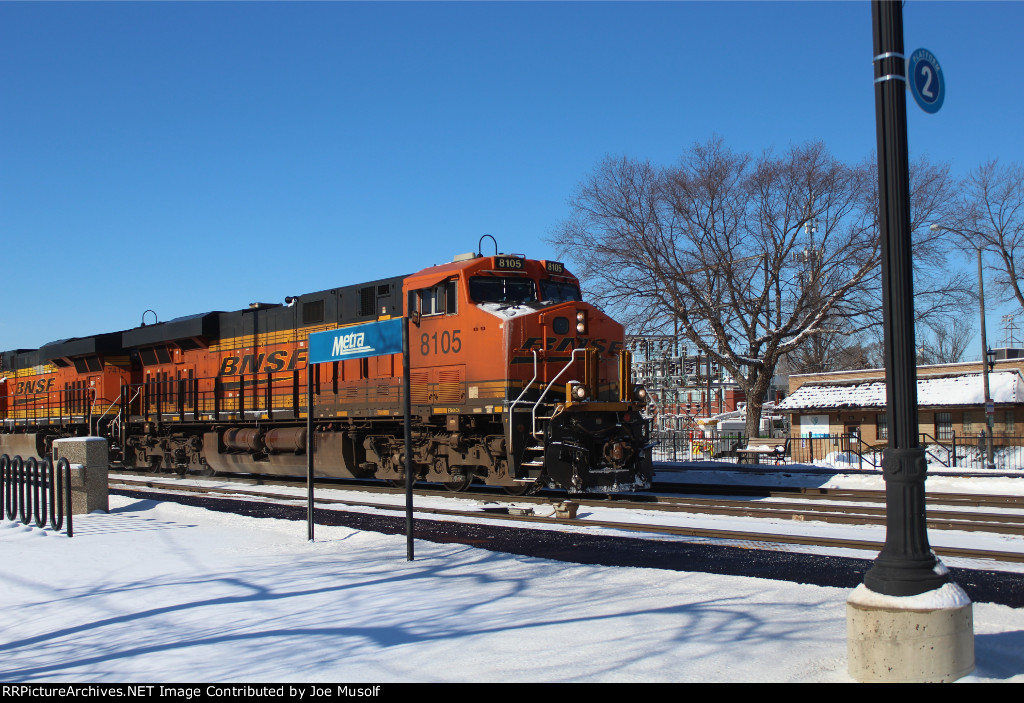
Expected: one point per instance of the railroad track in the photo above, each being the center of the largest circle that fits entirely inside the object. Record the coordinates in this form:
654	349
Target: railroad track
859	495
813	510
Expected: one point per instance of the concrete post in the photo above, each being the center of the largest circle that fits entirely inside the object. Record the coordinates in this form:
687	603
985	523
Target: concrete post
910	639
90	465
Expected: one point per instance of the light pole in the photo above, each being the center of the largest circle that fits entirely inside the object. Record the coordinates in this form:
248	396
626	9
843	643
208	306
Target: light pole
989	424
906	564
985	351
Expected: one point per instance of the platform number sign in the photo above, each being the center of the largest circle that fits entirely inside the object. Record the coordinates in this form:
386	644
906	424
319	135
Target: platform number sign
925	81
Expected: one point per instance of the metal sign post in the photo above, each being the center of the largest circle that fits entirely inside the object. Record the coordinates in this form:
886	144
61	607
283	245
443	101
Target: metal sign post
358	342
309	449
407	408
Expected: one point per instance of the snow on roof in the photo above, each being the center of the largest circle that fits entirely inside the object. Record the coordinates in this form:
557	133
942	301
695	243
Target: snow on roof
1006	387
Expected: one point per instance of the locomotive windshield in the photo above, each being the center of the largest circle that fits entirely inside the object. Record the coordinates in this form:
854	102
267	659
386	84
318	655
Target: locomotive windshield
559	291
502	289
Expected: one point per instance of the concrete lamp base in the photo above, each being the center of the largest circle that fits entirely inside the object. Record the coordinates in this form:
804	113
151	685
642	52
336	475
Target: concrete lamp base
913	639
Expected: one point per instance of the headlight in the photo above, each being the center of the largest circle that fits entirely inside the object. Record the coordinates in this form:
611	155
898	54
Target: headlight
581	321
580	392
640	393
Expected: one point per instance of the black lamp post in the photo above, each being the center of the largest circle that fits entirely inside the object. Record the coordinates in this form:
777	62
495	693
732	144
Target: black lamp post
906	565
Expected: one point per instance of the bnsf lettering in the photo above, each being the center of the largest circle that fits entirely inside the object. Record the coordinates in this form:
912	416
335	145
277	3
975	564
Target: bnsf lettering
564	344
251	363
276	360
280	360
43	385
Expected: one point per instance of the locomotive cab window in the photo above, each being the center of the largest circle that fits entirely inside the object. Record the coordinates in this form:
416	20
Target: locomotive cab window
559	291
439	300
502	289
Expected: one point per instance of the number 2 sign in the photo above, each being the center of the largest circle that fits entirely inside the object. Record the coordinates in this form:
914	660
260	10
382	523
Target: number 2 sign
924	78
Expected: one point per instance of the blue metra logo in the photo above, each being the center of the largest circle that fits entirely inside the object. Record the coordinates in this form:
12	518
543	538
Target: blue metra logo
357	341
349	344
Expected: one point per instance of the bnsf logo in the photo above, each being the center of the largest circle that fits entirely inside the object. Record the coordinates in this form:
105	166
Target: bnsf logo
43	385
280	360
603	346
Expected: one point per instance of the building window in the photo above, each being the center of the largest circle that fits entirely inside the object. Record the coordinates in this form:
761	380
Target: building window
968	422
882	426
1010	425
944	425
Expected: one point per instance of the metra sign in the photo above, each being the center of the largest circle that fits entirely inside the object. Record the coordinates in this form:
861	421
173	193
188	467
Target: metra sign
356	342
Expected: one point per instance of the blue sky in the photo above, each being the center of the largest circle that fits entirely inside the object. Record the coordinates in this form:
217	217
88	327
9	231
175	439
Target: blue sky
194	156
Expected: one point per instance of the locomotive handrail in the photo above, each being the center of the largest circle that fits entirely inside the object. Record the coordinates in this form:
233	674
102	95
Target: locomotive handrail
515	402
100	418
572	359
115	424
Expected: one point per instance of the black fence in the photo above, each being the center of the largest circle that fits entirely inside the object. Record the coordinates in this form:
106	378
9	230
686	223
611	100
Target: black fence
843	450
36	490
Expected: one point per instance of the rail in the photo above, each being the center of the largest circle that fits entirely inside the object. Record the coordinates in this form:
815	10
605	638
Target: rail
551	383
956	451
949	459
69	406
36	490
99	419
515	402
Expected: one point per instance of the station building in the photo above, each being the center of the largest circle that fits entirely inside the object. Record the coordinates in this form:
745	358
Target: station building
951	402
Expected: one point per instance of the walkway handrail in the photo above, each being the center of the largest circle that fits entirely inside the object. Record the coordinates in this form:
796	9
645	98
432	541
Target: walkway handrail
515	402
551	383
100	418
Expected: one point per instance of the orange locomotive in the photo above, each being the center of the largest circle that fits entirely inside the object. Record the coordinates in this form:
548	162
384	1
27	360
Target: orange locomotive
66	388
515	381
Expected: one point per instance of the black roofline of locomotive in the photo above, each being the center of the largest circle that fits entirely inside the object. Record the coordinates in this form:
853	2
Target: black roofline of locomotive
202	325
108	343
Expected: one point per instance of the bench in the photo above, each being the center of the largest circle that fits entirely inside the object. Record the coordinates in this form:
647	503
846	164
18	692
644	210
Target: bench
775	449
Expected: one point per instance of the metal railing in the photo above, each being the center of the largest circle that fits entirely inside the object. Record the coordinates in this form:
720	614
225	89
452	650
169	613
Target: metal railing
956	451
36	490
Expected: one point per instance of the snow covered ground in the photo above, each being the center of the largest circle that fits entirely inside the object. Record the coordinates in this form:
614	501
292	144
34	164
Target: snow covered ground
160	592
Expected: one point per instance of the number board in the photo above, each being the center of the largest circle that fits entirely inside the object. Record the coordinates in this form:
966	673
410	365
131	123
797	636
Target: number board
554	267
509	263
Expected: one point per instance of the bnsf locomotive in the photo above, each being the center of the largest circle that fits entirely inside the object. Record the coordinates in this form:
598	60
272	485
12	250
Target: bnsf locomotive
515	381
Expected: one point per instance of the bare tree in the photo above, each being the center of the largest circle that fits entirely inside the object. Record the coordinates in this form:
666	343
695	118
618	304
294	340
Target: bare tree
990	217
945	342
834	349
751	257
942	293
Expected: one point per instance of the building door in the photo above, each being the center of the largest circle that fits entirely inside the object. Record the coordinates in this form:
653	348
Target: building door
853	437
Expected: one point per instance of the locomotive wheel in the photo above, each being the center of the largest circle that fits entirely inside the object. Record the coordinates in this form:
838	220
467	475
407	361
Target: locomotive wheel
459	484
522	489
